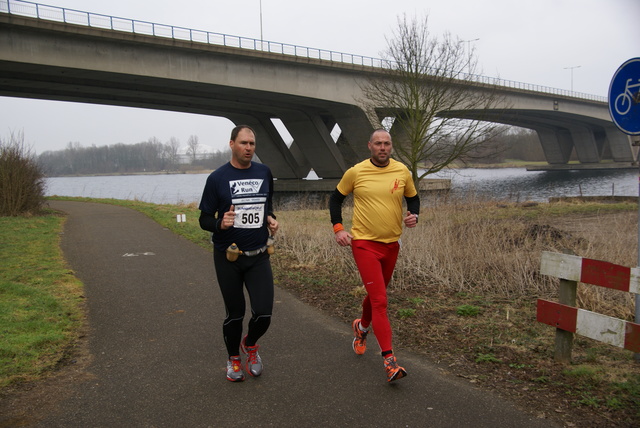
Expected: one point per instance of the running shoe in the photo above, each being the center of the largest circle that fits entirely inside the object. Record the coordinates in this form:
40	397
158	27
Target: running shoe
394	371
234	370
360	338
254	362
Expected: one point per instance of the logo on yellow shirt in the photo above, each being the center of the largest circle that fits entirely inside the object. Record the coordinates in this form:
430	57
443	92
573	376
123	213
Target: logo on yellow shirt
396	185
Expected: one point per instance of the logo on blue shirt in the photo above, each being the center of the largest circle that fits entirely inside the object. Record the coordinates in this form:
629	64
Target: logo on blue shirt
245	187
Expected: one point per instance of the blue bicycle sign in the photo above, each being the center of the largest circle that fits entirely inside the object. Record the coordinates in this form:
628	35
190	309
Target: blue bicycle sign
625	100
624	97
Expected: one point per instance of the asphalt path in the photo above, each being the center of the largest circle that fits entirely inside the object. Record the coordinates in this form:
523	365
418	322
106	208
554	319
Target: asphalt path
158	358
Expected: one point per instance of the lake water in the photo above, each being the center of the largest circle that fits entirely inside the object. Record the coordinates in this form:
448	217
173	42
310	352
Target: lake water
518	184
515	184
158	189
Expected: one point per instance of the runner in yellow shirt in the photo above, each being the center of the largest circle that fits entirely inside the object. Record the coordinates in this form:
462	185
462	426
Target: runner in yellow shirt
379	185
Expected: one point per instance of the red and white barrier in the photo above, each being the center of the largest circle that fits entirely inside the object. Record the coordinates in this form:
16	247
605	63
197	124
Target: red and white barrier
613	331
588	271
596	326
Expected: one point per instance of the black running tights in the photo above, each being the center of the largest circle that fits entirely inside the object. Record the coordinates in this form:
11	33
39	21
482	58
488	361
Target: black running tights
255	274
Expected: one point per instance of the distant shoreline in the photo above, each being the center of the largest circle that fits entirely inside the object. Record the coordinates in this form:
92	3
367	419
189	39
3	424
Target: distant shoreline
529	166
115	174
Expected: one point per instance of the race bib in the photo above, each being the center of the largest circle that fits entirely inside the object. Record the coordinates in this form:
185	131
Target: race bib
249	216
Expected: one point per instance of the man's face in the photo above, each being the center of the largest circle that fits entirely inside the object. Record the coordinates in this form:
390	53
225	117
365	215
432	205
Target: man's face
243	147
380	147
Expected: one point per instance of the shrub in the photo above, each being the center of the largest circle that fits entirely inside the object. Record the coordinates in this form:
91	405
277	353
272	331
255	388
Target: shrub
487	358
21	178
406	313
468	310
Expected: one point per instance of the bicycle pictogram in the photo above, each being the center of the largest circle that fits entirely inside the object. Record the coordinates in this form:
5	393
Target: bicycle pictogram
624	97
627	99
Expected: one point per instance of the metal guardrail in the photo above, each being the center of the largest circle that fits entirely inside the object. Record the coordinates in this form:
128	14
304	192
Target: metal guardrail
95	20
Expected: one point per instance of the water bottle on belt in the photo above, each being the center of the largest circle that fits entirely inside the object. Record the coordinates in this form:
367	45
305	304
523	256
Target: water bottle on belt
233	252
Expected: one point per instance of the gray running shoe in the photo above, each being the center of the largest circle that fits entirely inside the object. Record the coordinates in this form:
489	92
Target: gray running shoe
234	370
254	362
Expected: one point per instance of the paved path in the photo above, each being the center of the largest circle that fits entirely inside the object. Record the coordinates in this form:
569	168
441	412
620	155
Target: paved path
158	358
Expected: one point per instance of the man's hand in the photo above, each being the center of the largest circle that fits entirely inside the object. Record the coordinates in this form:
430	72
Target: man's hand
343	238
228	219
410	220
272	225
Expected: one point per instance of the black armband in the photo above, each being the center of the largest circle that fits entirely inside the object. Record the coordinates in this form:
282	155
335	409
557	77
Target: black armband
209	222
335	206
413	204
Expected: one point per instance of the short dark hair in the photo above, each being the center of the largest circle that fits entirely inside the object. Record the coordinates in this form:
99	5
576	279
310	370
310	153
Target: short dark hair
235	131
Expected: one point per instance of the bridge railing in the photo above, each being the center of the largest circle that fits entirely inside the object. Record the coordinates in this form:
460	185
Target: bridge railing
95	20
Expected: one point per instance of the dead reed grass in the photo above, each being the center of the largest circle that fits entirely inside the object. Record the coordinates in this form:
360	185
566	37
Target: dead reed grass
481	248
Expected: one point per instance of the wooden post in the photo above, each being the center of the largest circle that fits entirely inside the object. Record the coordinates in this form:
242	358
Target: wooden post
564	339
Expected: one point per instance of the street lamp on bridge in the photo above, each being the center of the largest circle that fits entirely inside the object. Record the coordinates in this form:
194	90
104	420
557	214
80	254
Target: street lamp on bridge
261	38
468	42
571	68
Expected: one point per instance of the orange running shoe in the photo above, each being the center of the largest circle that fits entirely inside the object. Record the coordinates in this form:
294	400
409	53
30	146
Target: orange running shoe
360	338
394	371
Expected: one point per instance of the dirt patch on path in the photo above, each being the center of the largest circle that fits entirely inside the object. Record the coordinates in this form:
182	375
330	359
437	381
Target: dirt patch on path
25	404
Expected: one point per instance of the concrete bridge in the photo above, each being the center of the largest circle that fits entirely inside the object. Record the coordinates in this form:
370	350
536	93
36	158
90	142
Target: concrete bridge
60	54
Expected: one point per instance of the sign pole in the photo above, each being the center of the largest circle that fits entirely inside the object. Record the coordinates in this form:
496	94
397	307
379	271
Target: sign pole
624	107
636	142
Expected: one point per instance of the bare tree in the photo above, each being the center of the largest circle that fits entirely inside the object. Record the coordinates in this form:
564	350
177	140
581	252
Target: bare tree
524	144
171	149
192	148
427	93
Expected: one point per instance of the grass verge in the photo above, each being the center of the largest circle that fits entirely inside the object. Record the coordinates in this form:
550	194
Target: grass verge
41	305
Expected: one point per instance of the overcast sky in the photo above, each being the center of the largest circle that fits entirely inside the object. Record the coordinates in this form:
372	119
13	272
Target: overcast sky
533	41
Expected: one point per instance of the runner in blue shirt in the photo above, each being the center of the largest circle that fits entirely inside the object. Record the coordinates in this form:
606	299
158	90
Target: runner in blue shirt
236	207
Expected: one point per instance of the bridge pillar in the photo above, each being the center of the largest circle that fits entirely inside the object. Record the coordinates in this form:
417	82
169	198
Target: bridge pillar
342	143
356	130
557	144
311	134
398	133
284	162
620	144
587	149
